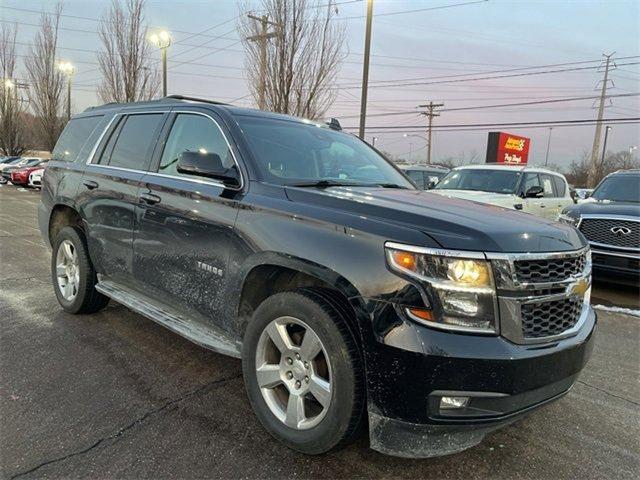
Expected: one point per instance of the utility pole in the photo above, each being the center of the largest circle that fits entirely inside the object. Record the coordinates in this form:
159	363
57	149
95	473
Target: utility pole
374	141
604	146
593	167
365	70
262	38
546	157
430	113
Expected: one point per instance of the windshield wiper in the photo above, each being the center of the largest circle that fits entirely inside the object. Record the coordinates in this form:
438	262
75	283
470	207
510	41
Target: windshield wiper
390	185
327	183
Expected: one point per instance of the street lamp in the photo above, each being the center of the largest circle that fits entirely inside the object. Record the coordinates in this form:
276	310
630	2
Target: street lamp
604	146
162	40
631	149
546	158
69	70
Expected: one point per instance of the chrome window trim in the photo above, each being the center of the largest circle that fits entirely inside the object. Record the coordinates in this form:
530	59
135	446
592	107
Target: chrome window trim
595	216
215	183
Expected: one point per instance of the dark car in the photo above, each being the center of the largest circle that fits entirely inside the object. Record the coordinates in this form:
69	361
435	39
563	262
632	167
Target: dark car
610	220
425	176
350	295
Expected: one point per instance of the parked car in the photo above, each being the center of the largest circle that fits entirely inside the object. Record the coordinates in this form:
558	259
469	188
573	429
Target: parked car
533	190
425	176
6	160
610	220
23	162
20	176
350	295
583	193
35	178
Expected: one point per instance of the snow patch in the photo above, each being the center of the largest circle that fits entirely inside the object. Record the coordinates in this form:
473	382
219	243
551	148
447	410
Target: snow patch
627	311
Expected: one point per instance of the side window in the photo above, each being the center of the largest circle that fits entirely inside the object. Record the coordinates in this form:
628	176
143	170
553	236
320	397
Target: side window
130	142
193	133
416	176
547	185
561	188
530	180
73	137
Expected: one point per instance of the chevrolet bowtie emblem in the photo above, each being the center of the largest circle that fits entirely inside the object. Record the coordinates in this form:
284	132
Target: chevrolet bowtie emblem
580	287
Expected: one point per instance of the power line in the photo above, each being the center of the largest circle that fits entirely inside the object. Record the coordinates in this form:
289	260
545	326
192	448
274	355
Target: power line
417	10
510	124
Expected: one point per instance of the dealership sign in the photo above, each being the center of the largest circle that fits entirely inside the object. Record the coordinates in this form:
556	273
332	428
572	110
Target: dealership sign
507	148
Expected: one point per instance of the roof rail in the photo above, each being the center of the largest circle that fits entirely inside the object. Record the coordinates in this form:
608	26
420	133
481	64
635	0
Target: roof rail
194	99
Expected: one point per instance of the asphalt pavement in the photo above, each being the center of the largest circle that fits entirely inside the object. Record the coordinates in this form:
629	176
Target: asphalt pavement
114	395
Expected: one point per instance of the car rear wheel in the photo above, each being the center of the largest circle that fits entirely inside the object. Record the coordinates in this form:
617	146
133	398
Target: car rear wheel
72	273
303	372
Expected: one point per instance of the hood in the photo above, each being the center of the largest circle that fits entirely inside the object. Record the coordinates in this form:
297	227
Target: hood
596	207
502	199
453	223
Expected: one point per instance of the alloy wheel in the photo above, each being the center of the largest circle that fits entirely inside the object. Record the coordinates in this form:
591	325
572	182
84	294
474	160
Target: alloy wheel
67	270
294	373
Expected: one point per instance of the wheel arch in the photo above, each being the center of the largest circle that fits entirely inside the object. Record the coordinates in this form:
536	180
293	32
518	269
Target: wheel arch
63	215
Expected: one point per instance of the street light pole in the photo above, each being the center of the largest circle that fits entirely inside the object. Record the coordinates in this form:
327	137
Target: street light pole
374	141
546	158
69	70
162	40
365	70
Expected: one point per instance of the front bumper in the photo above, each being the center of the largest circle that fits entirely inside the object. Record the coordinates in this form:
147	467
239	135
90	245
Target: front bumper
411	366
616	265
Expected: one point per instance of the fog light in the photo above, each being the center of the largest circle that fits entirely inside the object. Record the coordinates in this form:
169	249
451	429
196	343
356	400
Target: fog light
448	403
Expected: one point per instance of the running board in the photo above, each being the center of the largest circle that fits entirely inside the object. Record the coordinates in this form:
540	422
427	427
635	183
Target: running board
167	317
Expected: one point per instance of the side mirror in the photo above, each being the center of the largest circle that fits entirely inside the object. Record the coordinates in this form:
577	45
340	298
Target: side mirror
431	184
534	192
587	194
207	165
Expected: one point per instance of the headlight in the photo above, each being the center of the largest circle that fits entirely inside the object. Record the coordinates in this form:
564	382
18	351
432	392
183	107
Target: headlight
564	218
459	286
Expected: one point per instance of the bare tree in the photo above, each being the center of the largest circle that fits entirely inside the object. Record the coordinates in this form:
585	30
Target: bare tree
46	80
125	63
578	172
12	139
300	61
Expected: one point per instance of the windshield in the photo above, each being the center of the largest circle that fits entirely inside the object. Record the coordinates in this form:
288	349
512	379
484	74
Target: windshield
619	188
495	181
290	153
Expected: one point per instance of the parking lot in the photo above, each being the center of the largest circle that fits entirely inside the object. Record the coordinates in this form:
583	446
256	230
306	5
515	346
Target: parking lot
113	395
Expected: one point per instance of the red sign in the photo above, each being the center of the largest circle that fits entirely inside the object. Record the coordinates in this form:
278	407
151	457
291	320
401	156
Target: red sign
507	148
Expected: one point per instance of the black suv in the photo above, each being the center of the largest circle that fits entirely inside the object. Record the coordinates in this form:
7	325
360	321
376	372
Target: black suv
351	296
610	220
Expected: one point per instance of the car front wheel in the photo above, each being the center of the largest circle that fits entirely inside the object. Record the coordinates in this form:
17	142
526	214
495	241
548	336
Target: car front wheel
303	372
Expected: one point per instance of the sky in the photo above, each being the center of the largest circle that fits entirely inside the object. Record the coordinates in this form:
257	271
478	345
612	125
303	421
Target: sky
412	42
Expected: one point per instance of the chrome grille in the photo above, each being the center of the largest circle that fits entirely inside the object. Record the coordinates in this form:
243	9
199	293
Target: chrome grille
599	230
548	270
545	319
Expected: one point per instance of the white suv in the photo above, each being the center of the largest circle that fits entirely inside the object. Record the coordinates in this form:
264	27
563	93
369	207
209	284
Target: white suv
533	190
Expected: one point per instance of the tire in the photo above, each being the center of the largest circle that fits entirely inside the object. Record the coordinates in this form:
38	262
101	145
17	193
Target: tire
338	364
84	298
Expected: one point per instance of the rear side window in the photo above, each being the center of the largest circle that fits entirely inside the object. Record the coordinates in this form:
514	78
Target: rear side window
547	185
130	142
73	137
561	189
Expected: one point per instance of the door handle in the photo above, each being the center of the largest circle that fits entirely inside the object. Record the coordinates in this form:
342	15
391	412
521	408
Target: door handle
150	198
90	184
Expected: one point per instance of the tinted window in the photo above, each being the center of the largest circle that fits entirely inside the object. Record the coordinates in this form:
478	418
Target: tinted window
416	176
73	137
290	152
619	188
560	186
484	180
131	142
547	185
193	133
